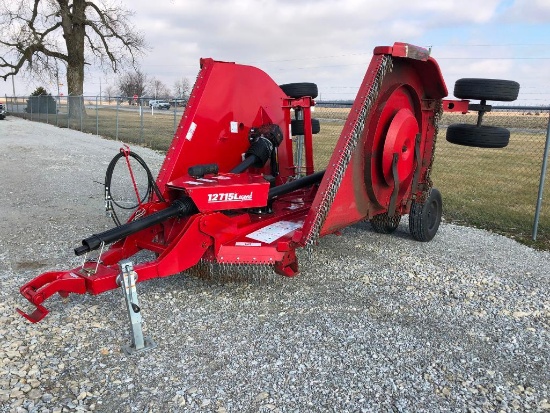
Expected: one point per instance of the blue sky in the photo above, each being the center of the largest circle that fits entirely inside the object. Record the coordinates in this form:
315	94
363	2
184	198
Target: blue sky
330	42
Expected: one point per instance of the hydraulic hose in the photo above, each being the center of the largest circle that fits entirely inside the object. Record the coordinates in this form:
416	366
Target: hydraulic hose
151	184
297	184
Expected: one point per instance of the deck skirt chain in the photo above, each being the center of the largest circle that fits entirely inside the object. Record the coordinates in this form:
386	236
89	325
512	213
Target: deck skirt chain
384	67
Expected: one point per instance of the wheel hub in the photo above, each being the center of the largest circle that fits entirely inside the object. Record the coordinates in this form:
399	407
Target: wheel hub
395	130
400	139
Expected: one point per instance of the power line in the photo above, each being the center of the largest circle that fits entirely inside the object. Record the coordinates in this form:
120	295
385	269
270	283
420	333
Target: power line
494	45
492	58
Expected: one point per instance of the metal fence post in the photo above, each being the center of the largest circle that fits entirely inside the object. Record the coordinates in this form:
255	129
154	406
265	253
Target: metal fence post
175	114
141	121
96	117
542	179
117	108
81	111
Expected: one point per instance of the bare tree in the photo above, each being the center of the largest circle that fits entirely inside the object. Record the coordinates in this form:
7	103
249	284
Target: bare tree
132	83
110	92
36	34
182	88
158	89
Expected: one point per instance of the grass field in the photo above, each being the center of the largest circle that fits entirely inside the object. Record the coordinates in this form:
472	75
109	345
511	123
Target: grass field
494	189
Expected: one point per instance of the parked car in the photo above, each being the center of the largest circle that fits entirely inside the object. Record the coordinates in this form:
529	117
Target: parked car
2	111
159	104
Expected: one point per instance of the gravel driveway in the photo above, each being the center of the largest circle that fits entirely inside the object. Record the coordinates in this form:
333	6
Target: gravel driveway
374	323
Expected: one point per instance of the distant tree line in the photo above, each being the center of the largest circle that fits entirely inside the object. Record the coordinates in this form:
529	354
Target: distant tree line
138	83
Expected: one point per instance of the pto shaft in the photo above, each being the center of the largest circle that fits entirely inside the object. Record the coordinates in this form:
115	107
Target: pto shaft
181	207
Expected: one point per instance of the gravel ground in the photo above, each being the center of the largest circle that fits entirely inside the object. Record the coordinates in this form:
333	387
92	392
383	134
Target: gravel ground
373	323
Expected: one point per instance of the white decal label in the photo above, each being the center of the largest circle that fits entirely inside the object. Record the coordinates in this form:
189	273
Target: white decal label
228	196
248	244
234	127
274	231
191	131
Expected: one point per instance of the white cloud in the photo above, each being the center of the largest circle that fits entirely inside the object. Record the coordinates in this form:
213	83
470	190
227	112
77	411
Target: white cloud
325	41
529	11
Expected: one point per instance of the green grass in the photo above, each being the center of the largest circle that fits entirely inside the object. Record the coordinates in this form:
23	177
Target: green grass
494	189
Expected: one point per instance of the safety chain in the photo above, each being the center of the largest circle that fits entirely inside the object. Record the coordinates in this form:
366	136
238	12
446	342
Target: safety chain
384	67
438	113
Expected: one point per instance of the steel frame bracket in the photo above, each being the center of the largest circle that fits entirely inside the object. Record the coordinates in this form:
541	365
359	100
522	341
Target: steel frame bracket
128	278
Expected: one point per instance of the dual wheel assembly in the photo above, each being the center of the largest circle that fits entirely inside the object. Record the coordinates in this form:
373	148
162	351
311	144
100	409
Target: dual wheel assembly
424	218
478	135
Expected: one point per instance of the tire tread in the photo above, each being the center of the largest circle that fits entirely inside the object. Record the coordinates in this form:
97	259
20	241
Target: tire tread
486	89
478	136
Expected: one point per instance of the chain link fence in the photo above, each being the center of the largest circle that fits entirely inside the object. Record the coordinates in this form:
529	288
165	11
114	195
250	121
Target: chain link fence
498	189
495	189
122	118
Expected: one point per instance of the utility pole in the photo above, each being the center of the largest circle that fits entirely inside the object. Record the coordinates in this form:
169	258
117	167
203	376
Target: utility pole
13	84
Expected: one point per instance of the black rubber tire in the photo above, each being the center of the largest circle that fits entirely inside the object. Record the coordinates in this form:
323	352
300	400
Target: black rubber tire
299	90
487	89
424	219
384	224
297	126
478	136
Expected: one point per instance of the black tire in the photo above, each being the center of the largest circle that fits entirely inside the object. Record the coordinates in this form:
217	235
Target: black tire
385	224
487	89
297	127
299	90
478	136
424	219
